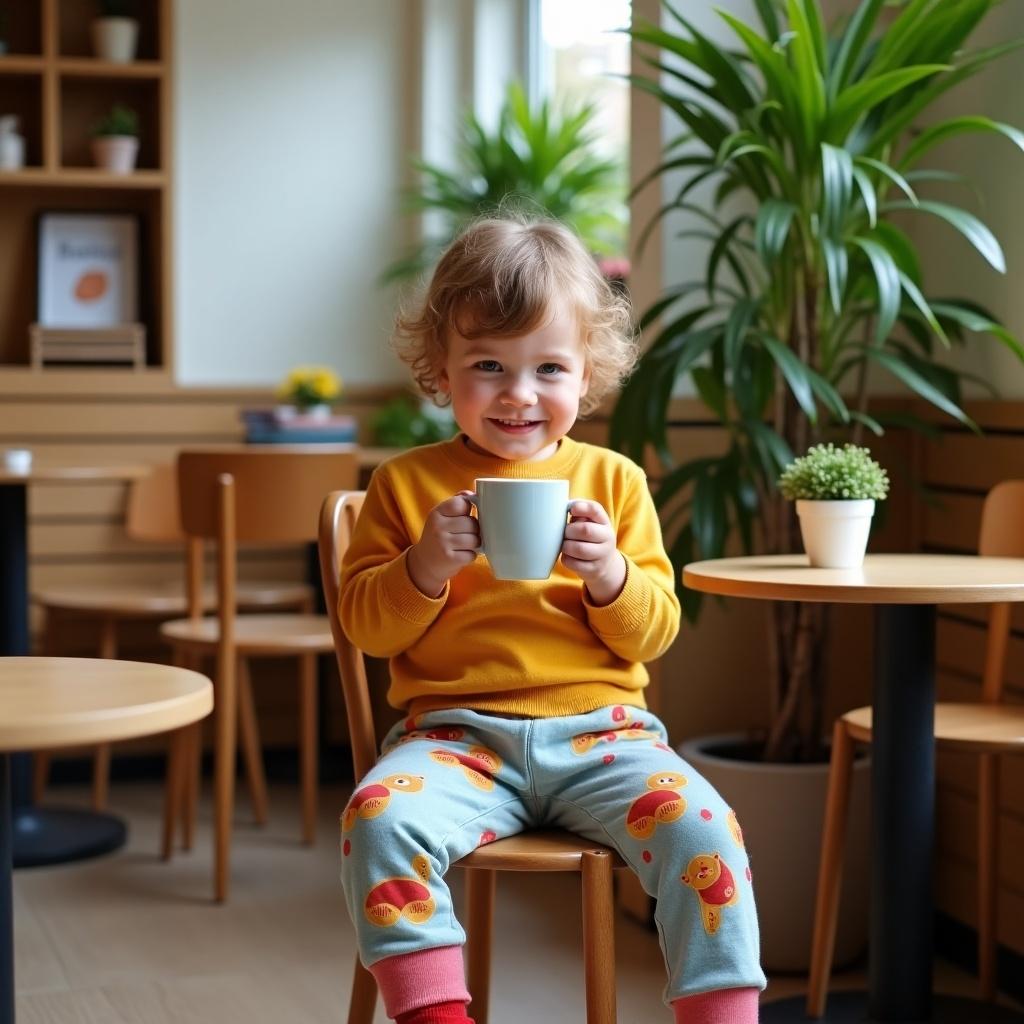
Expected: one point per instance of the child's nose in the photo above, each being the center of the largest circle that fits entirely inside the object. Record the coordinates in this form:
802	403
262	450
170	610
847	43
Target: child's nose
519	393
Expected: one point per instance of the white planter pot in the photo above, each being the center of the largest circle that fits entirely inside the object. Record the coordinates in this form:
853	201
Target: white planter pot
115	153
781	809
835	533
115	39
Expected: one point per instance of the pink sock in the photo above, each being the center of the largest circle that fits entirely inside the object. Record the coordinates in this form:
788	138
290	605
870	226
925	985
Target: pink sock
427	977
725	1006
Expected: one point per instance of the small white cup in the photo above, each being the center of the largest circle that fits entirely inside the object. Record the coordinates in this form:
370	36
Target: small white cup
18	460
522	525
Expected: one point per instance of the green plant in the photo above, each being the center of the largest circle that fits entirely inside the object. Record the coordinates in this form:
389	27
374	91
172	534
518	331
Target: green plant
120	120
535	157
828	473
402	423
808	138
116	8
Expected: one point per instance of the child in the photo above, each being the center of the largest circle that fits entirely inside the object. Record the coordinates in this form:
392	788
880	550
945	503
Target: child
524	700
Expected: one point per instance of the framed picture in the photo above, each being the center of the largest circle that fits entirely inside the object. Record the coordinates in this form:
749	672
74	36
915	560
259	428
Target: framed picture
88	269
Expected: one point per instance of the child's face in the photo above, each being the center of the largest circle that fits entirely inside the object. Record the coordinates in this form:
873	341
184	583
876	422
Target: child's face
516	398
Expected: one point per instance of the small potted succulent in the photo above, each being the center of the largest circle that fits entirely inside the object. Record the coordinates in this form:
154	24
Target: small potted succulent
309	390
115	143
835	491
115	34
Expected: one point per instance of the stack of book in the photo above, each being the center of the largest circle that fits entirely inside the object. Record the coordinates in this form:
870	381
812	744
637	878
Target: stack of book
278	426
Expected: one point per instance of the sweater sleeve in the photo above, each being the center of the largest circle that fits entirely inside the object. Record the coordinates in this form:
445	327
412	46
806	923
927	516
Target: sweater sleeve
382	611
641	623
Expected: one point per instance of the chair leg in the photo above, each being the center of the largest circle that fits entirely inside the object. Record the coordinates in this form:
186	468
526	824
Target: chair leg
830	869
101	756
308	753
363	1001
599	936
252	749
988	872
479	926
225	751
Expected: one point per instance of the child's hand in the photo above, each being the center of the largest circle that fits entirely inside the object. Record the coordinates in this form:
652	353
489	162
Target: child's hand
450	539
589	550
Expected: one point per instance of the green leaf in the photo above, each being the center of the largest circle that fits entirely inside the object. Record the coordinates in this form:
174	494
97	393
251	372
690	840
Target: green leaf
742	315
886	171
837	266
915	296
980	323
854	102
711	390
795	373
720	249
772	228
809	81
870	422
968	225
920	386
937	133
709	516
836	187
774	454
867	193
887	278
852	45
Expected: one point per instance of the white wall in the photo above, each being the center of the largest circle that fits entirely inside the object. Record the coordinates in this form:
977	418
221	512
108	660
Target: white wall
289	155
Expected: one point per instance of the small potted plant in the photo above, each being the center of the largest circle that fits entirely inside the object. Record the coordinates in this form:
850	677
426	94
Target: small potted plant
115	34
309	390
115	143
835	491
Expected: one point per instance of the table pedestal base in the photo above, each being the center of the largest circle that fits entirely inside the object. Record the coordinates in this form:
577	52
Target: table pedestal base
41	835
852	1008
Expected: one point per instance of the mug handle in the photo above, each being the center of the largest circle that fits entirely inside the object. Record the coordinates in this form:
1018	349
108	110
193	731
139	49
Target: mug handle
474	500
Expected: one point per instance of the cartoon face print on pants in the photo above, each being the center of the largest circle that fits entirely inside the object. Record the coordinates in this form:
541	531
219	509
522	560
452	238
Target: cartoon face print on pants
479	765
373	799
442	732
391	900
660	805
621	728
710	878
734	829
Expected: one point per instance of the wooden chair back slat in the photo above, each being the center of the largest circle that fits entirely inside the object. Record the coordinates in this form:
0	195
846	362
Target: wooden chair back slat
337	520
1001	536
278	492
152	513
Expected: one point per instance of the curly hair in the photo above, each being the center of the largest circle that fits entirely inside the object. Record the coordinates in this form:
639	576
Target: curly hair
499	278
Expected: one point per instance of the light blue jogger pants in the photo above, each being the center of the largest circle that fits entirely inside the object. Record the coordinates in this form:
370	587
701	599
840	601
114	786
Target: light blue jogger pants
452	780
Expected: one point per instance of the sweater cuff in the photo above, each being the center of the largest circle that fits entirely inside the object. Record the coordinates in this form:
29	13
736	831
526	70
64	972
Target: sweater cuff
628	612
405	599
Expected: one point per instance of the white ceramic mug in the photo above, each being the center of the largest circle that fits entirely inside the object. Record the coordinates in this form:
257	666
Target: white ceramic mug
522	525
18	460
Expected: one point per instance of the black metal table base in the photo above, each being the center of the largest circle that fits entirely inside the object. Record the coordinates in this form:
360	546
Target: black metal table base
43	835
852	1008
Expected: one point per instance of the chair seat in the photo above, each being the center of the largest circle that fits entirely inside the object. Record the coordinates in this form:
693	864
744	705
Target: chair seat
536	850
152	600
983	728
256	634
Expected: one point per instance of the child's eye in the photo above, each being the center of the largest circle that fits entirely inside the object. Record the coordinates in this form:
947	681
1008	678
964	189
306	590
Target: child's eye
488	365
549	368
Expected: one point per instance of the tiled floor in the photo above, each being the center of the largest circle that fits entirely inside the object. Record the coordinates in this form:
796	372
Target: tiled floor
127	939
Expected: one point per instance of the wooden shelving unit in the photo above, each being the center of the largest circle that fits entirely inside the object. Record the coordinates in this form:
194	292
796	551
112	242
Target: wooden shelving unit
59	91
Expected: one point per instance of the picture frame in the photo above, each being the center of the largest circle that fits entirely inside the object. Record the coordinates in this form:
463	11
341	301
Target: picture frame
88	269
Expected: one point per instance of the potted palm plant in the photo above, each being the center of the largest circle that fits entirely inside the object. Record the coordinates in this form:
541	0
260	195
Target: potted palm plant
115	33
806	134
115	143
535	156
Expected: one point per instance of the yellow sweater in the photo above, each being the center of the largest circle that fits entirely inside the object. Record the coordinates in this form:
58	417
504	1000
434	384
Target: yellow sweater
535	648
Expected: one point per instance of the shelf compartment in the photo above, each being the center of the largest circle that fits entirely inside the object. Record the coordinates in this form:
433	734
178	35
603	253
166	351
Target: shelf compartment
22	95
75	27
19	216
86	101
24	29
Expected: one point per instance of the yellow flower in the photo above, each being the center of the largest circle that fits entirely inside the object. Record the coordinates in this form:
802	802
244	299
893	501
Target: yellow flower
310	385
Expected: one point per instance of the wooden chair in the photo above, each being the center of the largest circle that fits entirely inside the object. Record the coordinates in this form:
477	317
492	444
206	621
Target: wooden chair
233	496
988	729
549	850
151	517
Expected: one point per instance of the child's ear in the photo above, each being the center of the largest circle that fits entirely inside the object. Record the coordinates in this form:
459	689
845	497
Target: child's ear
585	384
443	383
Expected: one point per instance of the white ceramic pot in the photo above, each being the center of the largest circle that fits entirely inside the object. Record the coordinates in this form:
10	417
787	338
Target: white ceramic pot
115	39
317	412
781	809
835	533
115	153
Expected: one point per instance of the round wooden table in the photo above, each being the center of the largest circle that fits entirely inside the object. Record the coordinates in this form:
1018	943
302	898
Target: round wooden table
54	702
905	590
51	842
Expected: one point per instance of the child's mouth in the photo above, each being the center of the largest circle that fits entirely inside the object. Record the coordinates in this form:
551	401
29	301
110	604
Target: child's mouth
515	426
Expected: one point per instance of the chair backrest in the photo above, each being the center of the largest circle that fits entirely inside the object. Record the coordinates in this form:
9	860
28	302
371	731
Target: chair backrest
152	513
1001	536
337	520
278	491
